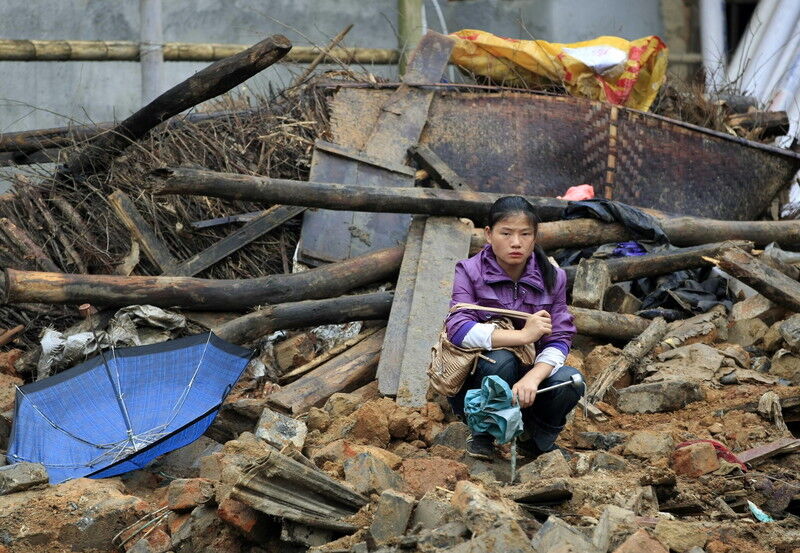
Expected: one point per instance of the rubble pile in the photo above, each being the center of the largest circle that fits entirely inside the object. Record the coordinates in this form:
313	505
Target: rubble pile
331	439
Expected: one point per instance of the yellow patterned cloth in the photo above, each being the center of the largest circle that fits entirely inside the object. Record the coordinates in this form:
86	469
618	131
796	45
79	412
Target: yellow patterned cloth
621	72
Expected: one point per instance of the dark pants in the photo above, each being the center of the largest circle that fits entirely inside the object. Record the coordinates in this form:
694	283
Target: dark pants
543	420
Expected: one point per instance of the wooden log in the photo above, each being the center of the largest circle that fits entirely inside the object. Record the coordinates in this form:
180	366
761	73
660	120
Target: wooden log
26	246
437	169
200	294
388	374
344	373
681	231
772	284
341	197
631	354
792	271
656	264
121	50
212	81
614	326
155	250
592	279
259	226
301	314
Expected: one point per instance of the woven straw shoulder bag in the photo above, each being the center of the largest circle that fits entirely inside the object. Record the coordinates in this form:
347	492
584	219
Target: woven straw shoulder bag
450	364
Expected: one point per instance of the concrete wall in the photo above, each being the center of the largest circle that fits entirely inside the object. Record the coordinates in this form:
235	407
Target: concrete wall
47	94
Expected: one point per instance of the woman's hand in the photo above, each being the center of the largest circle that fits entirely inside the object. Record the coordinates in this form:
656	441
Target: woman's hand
524	391
537	325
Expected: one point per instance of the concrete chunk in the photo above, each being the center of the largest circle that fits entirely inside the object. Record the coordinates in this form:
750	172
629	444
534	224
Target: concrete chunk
278	430
507	537
557	533
368	474
391	515
614	527
657	397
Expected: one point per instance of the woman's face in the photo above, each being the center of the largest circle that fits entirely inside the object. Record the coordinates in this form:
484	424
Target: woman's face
512	239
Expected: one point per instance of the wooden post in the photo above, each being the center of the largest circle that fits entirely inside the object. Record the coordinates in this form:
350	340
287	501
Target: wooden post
409	28
151	50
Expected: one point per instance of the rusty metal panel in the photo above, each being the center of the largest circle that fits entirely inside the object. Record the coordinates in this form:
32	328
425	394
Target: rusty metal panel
541	145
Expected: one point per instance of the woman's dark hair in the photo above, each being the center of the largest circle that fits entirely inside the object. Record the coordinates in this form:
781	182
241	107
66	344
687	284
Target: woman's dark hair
511	205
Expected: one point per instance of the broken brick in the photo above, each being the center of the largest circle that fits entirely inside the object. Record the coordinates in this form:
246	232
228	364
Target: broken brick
695	459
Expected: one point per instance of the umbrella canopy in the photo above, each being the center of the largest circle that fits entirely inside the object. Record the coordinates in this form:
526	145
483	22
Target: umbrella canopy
106	417
490	409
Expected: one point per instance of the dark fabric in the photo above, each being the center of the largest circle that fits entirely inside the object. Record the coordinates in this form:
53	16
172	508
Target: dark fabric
543	420
641	225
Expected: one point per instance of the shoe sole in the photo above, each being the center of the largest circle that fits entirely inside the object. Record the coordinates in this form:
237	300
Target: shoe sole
481	456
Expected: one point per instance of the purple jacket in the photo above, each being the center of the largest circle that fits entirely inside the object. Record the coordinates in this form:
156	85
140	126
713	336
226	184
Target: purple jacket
480	280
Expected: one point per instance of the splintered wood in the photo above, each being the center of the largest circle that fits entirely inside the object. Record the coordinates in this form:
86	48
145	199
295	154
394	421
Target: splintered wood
445	241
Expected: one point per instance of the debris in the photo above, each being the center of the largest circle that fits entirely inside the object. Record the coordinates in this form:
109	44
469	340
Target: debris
369	474
548	465
188	493
613	528
760	515
680	536
21	476
648	444
592	279
695	460
771	283
641	542
278	430
557	533
656	397
391	515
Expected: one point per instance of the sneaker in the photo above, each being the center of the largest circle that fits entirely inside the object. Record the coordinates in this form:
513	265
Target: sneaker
481	446
528	449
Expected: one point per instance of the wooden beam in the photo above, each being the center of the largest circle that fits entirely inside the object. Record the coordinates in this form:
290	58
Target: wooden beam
592	279
155	250
771	283
365	307
344	373
437	169
208	83
259	226
197	293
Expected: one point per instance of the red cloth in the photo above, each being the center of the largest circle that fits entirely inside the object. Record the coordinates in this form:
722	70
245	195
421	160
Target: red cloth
578	193
722	451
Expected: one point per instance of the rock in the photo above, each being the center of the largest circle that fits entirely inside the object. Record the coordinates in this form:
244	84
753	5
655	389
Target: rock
680	536
400	422
7	361
641	542
607	461
657	397
442	537
507	537
157	541
391	515
278	430
756	307
477	511
101	521
341	405
772	339
548	465
304	535
341	450
613	528
747	332
188	493
600	440
649	444
786	364
6	419
643	501
368	474
695	460
22	476
205	531
600	358
790	331
372	423
454	435
185	462
433	511
425	474
317	419
8	386
557	533
696	550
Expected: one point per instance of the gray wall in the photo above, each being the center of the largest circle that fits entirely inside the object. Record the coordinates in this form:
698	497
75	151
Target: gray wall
47	94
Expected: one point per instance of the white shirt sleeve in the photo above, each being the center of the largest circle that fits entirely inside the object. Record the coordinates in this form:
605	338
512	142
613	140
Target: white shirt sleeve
479	336
552	356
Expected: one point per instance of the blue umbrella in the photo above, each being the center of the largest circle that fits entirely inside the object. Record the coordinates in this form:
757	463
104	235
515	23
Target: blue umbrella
116	413
490	409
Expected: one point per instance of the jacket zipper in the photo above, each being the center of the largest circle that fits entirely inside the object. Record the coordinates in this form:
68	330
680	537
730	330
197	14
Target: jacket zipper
515	291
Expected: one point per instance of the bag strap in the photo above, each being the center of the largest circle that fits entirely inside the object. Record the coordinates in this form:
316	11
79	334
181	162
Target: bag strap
472	307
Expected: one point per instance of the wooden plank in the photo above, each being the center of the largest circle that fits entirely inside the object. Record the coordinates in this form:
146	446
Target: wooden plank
332	236
154	249
262	224
783	445
444	242
344	373
392	355
437	169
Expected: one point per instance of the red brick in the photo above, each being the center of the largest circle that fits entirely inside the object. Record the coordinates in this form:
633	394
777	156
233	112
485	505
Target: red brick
175	521
695	460
238	514
188	493
641	542
157	541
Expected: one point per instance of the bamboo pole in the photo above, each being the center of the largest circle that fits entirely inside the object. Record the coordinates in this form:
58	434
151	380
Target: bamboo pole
409	29
120	50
